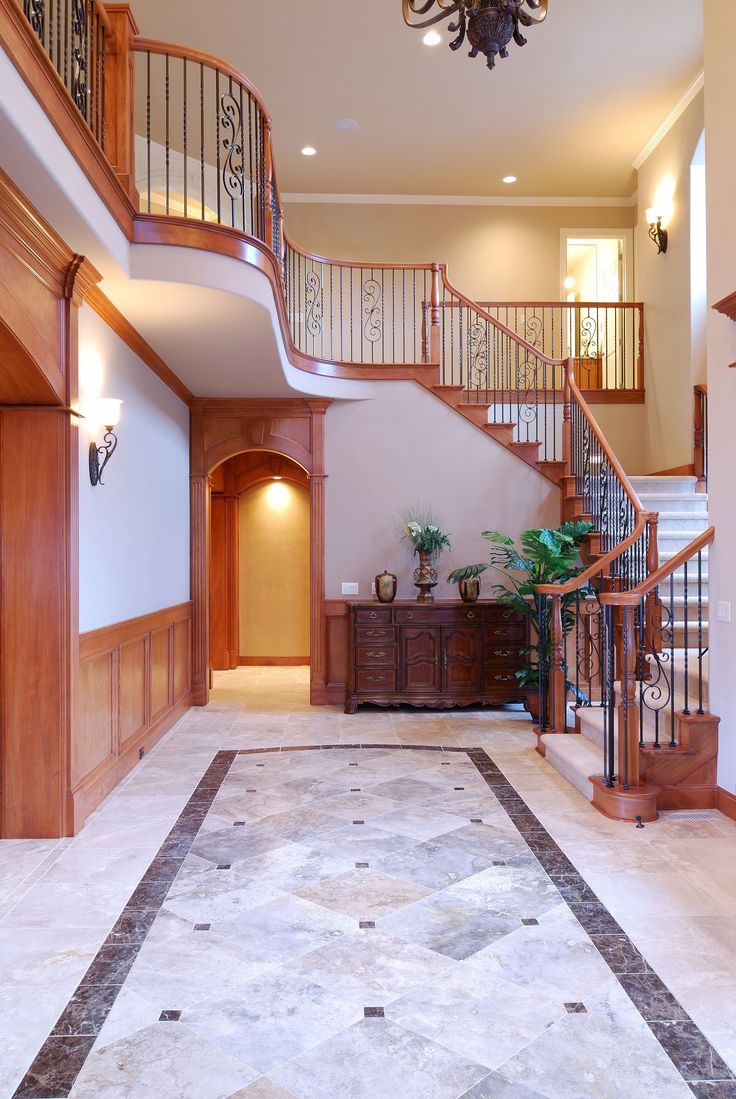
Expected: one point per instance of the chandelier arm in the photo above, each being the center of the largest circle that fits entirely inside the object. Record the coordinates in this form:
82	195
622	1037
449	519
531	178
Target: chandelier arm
409	10
530	20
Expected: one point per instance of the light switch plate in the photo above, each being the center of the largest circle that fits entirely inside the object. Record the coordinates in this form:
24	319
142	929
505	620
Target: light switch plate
350	589
723	612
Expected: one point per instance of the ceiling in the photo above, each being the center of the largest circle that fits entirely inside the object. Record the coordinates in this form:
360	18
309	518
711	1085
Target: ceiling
567	114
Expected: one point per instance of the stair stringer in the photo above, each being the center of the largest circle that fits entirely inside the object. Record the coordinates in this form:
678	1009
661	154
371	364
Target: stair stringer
524	451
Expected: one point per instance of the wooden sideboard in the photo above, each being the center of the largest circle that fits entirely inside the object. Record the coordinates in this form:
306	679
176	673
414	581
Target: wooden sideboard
437	655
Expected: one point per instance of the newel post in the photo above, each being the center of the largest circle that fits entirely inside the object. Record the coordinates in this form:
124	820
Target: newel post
119	115
557	708
652	612
435	333
268	170
567	419
640	351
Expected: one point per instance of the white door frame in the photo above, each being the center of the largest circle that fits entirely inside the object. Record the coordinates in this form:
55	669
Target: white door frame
626	235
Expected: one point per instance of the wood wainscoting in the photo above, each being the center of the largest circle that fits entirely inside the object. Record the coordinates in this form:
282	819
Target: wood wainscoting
134	684
335	618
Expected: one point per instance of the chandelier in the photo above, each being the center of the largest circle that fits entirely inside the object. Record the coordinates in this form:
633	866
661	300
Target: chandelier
489	25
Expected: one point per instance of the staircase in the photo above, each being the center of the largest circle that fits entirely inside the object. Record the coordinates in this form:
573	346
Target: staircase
683	515
678	743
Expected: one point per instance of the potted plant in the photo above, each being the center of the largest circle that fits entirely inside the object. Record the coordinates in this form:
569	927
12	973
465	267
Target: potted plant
428	540
544	556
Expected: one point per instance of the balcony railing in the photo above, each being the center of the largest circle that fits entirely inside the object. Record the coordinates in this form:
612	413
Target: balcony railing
604	339
74	34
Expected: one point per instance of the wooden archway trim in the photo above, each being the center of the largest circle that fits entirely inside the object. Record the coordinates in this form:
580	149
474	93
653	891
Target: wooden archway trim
221	429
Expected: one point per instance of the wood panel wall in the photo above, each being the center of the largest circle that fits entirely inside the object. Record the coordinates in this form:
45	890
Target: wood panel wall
134	684
335	618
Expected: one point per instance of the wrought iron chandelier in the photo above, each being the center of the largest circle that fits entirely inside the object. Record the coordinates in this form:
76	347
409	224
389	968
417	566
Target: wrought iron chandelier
489	25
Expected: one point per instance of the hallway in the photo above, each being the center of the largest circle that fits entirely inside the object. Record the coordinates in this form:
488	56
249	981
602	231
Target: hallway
375	917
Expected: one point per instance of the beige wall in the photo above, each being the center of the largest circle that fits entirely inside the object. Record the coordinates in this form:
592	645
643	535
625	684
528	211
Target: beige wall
504	253
274	571
404	448
663	283
720	154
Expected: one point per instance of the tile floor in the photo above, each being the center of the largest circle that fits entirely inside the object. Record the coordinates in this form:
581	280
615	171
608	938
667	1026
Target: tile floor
224	926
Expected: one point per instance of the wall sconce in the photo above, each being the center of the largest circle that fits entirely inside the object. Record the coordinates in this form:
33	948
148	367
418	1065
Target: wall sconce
657	231
105	411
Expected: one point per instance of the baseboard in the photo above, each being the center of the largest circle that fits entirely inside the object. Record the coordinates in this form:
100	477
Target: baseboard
95	787
726	803
273	661
688	796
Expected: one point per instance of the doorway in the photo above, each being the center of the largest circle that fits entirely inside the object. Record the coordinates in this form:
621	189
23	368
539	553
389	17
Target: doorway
596	265
259	562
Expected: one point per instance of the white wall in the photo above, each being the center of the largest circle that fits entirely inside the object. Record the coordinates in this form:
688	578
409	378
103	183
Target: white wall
407	448
663	284
133	529
720	160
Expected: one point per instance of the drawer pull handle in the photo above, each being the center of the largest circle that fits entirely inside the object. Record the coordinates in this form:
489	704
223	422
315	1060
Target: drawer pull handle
374	654
504	678
375	634
503	652
501	633
376	678
410	614
373	614
471	614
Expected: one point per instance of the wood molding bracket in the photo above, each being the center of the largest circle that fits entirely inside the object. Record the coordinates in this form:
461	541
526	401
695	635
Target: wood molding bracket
122	327
727	306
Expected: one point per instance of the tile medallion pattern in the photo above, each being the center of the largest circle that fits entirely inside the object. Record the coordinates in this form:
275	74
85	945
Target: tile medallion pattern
348	921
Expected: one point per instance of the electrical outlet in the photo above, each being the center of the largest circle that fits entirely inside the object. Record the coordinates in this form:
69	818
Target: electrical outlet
350	589
723	612
373	587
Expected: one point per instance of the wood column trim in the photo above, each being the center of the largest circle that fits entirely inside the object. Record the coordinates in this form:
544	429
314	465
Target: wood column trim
120	97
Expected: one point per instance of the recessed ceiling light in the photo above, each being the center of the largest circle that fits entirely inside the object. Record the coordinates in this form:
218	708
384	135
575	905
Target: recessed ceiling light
346	125
309	150
432	38
509	179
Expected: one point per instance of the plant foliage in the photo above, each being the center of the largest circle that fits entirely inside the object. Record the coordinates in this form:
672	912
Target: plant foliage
543	556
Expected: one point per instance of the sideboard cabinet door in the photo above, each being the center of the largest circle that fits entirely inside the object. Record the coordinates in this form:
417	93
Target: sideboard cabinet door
421	672
461	660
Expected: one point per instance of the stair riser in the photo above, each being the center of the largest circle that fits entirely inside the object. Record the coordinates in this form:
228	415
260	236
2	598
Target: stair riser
657	486
694	504
670	524
674	541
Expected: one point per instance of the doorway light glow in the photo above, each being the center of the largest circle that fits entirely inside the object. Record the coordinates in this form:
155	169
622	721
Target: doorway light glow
277	496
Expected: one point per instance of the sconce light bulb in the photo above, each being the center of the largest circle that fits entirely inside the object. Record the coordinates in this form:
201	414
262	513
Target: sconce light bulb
651	216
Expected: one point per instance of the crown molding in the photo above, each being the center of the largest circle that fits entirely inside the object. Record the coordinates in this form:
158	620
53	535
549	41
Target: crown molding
680	107
454	200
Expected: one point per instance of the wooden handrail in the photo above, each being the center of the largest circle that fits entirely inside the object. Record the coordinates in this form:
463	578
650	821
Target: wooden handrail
633	597
197	57
104	17
563	304
377	265
497	324
643	518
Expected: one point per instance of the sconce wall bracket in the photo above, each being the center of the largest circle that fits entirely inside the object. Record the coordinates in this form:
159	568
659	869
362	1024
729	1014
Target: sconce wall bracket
99	456
659	236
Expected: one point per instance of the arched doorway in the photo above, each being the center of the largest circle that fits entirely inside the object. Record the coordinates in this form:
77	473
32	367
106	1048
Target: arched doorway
259	562
221	429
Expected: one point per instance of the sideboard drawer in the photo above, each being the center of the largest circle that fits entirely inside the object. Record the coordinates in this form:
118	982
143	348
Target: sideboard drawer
373	614
502	652
514	631
376	654
500	679
378	680
372	634
432	615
